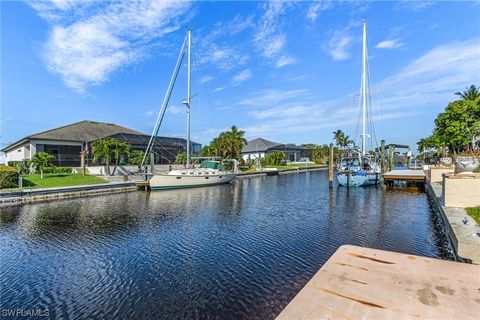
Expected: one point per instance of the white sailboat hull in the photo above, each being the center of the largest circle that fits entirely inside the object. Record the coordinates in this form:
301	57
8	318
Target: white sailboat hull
357	180
162	182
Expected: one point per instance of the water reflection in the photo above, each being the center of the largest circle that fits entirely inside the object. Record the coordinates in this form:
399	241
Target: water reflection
233	251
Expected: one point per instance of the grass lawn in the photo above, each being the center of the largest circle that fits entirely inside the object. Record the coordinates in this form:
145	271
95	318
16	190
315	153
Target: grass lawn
59	180
474	213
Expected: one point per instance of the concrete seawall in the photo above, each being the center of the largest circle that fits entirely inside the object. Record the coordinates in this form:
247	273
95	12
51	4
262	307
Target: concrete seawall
463	236
11	198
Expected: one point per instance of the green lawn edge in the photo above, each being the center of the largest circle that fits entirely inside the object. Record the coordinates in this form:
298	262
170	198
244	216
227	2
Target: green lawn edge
474	212
33	181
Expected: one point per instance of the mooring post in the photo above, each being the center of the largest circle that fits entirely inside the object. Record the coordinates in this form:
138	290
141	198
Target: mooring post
330	167
390	158
82	162
152	163
382	156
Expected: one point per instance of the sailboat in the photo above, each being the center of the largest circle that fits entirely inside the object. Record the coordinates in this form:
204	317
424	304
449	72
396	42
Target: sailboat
360	168
211	170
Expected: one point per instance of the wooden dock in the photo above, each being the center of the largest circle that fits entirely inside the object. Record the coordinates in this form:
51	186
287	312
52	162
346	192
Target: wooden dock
363	283
404	175
143	185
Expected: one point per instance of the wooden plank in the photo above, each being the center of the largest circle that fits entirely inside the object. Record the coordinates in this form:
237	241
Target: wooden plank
404	175
363	283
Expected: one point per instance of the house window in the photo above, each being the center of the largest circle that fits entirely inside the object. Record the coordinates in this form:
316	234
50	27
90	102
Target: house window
19	150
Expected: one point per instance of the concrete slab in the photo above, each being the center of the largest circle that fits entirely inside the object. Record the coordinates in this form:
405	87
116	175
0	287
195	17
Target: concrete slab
404	175
465	236
363	283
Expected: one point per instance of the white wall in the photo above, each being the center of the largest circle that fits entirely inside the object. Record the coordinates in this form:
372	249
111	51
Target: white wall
18	154
253	156
29	149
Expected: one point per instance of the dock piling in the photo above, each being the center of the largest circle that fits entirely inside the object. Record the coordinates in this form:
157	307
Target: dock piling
382	156
390	158
330	167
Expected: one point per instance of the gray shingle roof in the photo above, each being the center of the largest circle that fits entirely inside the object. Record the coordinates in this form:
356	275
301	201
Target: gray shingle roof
259	144
83	131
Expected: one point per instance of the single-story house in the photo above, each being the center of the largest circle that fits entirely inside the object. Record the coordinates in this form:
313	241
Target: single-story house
66	143
258	148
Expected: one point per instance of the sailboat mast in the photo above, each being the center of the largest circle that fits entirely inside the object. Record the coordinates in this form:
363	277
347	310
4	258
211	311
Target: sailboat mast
364	85
188	96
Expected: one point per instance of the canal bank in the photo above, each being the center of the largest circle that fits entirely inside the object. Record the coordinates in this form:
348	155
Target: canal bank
9	198
462	230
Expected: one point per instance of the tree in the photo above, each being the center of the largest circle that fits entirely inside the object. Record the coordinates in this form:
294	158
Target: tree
181	158
339	137
119	149
42	160
109	149
228	144
457	128
102	149
346	141
470	94
208	151
136	157
274	158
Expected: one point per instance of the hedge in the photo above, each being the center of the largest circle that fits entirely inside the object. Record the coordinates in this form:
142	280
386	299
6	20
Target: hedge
8	177
56	170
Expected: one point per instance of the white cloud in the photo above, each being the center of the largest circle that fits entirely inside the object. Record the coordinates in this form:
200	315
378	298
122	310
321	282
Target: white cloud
272	97
90	40
219	89
174	109
150	113
316	8
268	39
285	61
206	79
416	5
339	44
389	44
241	77
434	77
222	56
427	82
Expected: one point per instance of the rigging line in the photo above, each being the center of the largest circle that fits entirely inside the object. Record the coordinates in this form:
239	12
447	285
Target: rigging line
166	99
372	110
207	97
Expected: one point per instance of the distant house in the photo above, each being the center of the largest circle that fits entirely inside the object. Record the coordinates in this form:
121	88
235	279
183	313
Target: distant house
65	143
258	148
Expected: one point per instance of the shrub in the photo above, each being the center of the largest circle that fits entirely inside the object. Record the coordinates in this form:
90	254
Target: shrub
23	167
8	177
57	170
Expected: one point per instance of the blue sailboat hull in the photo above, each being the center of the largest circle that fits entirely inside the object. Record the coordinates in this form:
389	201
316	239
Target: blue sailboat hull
357	178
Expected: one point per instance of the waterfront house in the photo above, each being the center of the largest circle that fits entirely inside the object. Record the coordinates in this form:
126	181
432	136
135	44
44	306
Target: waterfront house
65	143
258	148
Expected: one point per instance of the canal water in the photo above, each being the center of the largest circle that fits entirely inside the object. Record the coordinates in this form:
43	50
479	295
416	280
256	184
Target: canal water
239	251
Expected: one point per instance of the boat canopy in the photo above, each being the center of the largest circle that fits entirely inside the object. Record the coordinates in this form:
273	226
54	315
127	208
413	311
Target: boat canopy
212	165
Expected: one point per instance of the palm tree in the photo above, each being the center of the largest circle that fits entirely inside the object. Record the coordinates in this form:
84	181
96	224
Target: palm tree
238	141
42	160
136	157
470	94
102	149
346	141
339	137
119	149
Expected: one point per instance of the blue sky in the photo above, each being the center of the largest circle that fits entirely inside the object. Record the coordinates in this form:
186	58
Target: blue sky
284	71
